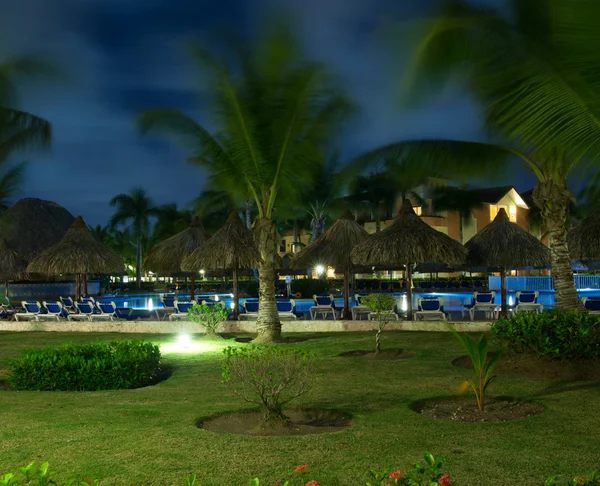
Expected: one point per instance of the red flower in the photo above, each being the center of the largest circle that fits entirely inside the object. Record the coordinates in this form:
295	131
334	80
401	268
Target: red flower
301	469
444	480
399	474
312	483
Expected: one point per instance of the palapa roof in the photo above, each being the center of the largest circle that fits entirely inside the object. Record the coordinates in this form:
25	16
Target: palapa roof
12	266
408	240
334	246
505	244
167	256
584	239
230	247
77	252
32	225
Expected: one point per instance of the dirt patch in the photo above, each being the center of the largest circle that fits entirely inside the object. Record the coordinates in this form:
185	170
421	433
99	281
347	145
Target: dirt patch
531	366
301	422
383	355
461	409
288	340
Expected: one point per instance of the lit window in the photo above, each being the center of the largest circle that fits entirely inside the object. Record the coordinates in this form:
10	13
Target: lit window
512	213
418	210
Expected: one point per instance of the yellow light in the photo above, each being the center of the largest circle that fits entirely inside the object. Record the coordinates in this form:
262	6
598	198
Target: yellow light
319	269
512	209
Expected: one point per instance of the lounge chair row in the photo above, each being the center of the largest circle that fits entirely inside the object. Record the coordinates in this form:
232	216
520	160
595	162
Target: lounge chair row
57	310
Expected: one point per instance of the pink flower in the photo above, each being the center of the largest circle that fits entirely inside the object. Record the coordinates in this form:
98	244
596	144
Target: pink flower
444	480
301	469
399	474
312	483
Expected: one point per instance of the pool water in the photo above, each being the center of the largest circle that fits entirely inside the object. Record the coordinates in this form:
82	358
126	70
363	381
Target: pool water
453	301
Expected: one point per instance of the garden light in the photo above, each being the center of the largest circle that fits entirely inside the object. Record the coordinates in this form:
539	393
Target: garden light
184	341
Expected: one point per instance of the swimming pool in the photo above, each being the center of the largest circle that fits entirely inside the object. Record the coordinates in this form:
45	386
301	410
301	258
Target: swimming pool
453	301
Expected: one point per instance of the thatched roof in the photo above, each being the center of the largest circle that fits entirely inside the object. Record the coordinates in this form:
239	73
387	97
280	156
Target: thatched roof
230	247
334	246
584	239
77	252
32	225
12	266
505	244
408	240
167	256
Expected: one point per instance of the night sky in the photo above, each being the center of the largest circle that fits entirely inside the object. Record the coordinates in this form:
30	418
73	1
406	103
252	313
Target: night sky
122	56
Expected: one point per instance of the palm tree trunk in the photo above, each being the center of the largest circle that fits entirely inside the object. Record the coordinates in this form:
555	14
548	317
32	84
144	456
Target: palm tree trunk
409	292
138	263
6	291
85	284
248	214
296	238
77	287
346	314
236	294
193	287
315	223
553	201
503	290
268	325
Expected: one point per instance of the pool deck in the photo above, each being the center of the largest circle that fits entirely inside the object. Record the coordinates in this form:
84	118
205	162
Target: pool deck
188	327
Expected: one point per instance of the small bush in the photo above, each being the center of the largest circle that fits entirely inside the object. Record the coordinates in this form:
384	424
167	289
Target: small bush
555	334
209	316
270	376
382	305
101	366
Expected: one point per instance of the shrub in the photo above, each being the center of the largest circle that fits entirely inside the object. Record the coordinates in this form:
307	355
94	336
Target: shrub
382	305
209	316
556	334
100	366
270	376
478	352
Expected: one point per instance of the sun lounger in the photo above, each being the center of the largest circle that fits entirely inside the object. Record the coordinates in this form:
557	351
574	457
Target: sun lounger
181	310
483	302
430	309
286	308
6	312
106	311
250	309
68	304
84	312
30	311
527	302
592	304
324	305
168	308
359	309
54	310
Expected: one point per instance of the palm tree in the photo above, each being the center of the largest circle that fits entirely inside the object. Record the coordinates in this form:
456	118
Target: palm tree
535	72
169	221
461	200
10	182
101	233
273	112
136	208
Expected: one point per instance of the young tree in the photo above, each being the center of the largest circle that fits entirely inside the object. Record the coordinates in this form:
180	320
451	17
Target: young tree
135	208
273	110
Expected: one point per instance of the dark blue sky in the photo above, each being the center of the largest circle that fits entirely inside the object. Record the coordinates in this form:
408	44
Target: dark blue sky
122	56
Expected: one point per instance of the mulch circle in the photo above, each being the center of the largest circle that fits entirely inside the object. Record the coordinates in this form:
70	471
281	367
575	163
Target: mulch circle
302	421
288	340
531	366
462	409
383	355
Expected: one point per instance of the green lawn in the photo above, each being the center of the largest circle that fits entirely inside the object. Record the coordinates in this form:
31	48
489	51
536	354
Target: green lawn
148	436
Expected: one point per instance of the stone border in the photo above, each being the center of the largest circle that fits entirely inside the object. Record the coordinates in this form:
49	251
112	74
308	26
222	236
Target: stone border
171	327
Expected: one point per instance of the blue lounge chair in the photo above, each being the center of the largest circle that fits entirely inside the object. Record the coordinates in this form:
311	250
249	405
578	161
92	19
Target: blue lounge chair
592	304
250	309
358	309
424	285
527	301
68	304
385	286
54	310
375	285
168	308
84	311
324	304
360	286
31	310
6	312
396	286
430	309
484	302
106	310
286	309
181	310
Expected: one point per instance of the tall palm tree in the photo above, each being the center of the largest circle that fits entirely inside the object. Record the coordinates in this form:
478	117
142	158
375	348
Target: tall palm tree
169	221
459	199
10	181
536	73
101	233
273	110
135	208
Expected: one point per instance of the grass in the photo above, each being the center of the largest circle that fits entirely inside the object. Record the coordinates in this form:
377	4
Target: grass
147	436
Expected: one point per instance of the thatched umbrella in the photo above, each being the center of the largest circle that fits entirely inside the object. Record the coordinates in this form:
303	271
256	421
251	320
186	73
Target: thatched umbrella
333	248
408	241
231	248
168	255
78	253
506	245
11	265
584	239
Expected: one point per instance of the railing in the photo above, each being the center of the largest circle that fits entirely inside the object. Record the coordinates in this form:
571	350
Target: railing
543	283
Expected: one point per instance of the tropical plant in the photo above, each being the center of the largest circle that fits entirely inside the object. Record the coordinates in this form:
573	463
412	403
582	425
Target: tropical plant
592	479
461	200
269	376
273	112
532	70
135	208
425	473
374	193
484	368
101	233
209	316
169	221
382	306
